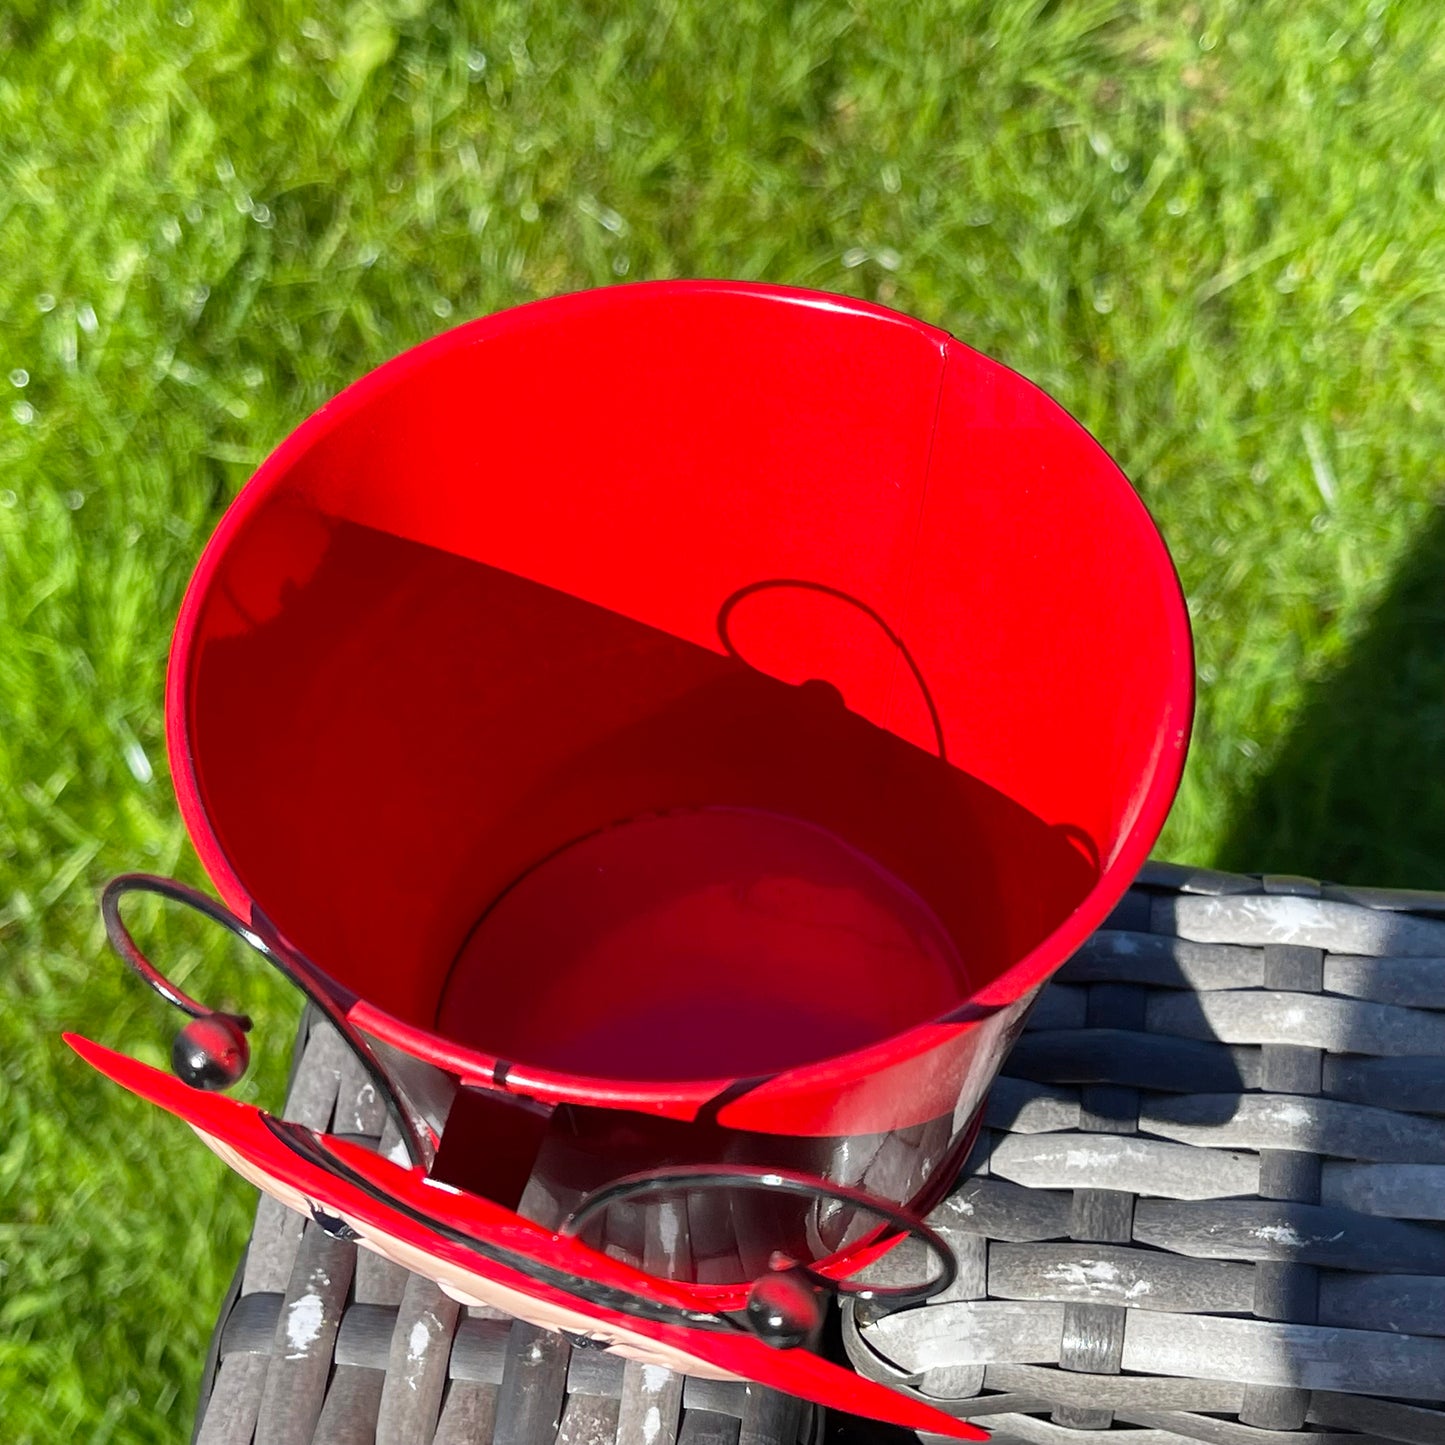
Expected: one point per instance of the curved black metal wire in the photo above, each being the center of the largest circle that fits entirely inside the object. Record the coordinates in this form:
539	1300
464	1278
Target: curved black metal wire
125	945
311	1147
293	966
782	1181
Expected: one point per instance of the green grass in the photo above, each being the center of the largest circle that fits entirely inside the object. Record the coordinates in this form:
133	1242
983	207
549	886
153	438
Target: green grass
1214	232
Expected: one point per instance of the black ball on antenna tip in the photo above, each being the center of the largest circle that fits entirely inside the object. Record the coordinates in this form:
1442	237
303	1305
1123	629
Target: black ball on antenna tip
211	1052
784	1308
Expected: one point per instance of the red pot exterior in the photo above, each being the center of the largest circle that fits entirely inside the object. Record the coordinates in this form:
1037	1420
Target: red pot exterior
581	561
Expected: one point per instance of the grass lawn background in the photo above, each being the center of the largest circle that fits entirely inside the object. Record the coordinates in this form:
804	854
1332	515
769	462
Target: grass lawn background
1214	232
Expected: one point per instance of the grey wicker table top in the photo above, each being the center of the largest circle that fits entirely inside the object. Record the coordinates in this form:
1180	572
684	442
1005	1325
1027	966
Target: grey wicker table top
1208	1204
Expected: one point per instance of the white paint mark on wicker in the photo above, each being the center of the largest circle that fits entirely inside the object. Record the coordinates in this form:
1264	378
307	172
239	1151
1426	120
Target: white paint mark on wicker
651	1425
417	1343
655	1378
304	1317
1288	1234
1099	1276
1102	1158
1279	1234
1292	1115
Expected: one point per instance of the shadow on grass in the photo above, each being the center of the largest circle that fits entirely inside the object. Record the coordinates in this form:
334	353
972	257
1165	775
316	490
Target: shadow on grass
1357	794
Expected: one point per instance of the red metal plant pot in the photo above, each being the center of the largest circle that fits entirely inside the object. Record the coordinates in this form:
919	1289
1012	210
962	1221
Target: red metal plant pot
676	727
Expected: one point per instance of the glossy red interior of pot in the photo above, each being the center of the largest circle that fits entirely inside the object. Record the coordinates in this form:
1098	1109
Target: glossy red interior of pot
681	682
